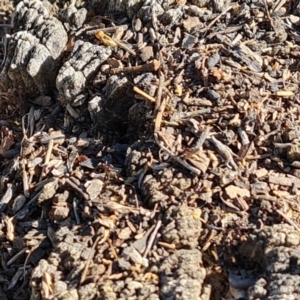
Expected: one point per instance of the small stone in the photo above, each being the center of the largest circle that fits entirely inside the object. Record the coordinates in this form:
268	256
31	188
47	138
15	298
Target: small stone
261	172
188	41
213	95
191	23
294	152
233	191
206	197
124	233
146	53
48	191
83	143
94	188
213	60
292	239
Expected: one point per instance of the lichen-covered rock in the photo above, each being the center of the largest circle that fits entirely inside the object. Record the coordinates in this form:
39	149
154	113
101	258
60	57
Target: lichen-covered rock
84	62
277	249
182	275
183	226
32	54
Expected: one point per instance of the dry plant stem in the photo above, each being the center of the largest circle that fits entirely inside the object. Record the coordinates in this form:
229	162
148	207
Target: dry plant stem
159	114
155	210
199	144
95	29
26	207
225	152
77	189
118	276
284	216
218	17
278	5
47	159
25	184
150	67
159	91
7	195
173	156
167	245
143	94
152	238
268	14
97	242
72	111
113	250
15	257
10	229
124	47
49	151
75	211
40	184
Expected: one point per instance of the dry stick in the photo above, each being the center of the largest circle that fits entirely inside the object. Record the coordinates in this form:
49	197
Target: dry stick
284	216
279	5
268	14
14	258
38	186
96	29
159	114
143	94
218	17
159	105
152	238
167	245
75	211
49	151
26	207
173	156
123	46
25	184
77	189
47	159
97	241
153	66
159	91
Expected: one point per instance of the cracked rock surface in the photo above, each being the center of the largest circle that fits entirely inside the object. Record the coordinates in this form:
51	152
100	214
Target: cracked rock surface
33	51
277	249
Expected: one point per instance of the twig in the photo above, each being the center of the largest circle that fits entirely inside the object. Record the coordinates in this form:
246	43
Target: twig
167	245
25	184
123	46
143	94
97	242
26	208
75	211
152	238
159	91
218	17
268	14
47	159
7	196
173	156
159	114
284	216
226	152
199	144
95	29
14	258
77	189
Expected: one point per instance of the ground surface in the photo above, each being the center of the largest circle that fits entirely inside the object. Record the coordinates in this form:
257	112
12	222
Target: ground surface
158	159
